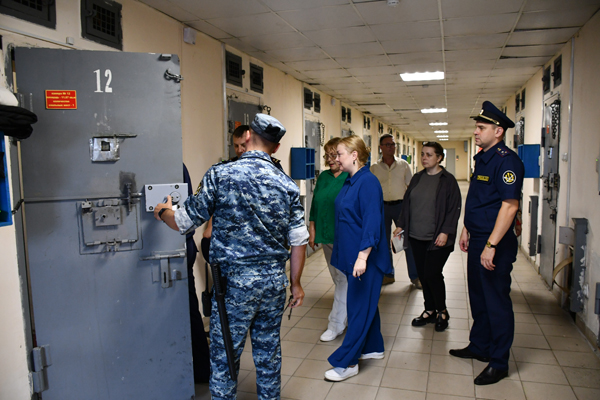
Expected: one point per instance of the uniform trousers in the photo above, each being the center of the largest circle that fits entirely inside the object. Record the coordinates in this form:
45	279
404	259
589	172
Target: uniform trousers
254	303
364	324
493	328
430	264
338	317
391	212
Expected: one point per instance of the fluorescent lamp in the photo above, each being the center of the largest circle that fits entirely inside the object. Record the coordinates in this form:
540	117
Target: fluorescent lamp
442	131
433	110
422	76
438	123
442	136
443	139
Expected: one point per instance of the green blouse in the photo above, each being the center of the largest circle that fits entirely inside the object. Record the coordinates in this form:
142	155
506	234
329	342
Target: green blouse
322	211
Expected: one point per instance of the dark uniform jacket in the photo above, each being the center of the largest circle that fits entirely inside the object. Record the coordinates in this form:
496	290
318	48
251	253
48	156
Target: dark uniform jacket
447	207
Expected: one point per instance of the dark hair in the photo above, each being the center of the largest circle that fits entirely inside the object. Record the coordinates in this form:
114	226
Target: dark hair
384	136
239	131
437	148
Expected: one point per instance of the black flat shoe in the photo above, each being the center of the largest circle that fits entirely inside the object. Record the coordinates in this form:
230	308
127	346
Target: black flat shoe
426	317
466	353
441	323
490	376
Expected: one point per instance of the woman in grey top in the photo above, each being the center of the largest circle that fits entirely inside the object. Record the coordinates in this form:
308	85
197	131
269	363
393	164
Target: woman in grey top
429	218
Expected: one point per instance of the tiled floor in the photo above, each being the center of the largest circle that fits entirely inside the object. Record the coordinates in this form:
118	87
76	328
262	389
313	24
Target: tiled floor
550	358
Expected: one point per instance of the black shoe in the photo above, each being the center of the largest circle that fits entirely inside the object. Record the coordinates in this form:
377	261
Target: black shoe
490	376
426	317
441	323
466	353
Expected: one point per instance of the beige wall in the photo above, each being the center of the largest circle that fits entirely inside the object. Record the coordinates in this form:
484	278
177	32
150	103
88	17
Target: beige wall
578	194
586	149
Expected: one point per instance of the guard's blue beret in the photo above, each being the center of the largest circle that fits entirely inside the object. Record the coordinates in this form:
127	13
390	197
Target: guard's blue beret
489	113
268	127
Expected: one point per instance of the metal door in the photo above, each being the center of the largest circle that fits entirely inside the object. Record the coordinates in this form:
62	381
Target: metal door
551	186
108	282
314	137
239	114
451	161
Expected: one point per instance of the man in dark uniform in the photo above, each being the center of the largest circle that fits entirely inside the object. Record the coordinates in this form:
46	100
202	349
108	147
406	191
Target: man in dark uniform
489	239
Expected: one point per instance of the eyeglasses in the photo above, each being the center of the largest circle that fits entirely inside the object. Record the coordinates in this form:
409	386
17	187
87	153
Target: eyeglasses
389	145
329	156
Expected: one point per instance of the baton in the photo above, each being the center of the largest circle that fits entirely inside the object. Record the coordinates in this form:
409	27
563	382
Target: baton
219	293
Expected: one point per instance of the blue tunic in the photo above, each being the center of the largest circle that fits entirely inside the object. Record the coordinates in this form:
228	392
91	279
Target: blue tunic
359	224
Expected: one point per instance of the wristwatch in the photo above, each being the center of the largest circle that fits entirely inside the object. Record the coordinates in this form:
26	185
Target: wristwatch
488	244
162	210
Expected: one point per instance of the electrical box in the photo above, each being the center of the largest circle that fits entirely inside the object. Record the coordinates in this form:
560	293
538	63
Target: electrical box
530	155
5	207
303	163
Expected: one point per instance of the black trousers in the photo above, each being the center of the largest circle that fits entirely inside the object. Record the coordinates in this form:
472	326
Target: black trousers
430	264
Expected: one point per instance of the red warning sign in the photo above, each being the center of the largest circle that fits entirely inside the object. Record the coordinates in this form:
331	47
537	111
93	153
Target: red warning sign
61	99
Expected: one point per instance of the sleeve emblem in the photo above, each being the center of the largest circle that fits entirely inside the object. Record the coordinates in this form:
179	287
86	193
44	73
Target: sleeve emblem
509	177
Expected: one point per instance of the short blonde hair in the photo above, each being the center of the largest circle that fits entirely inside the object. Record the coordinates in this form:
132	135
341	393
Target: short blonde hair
355	143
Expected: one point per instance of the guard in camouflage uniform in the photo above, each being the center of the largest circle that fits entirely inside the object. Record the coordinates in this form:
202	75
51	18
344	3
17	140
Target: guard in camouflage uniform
257	214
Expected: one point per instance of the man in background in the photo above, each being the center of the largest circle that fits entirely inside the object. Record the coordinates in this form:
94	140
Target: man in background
394	175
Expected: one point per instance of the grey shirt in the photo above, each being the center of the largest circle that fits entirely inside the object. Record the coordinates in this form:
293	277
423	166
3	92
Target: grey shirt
422	207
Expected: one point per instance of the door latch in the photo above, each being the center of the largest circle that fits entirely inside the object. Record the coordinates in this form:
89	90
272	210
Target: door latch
163	272
171	76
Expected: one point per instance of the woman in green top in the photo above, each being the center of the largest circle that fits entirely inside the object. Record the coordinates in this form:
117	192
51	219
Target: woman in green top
321	230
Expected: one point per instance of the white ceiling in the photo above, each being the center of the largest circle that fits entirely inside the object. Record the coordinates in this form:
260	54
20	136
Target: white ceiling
354	50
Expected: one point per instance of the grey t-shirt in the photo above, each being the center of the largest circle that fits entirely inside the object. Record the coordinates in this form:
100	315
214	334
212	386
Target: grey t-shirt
422	207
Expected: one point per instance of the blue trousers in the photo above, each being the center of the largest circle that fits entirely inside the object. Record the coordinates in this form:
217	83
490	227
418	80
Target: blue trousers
391	212
364	325
254	303
493	328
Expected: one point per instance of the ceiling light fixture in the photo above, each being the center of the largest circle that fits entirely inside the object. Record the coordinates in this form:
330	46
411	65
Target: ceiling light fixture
433	110
393	3
438	123
441	131
443	139
422	76
442	136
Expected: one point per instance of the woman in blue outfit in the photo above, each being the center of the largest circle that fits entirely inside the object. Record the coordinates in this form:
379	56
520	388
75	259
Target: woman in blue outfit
360	251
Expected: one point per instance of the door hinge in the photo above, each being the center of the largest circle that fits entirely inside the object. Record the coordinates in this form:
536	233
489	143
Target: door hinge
41	360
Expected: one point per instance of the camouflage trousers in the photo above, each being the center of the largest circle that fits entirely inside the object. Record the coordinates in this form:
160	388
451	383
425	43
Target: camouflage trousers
254	303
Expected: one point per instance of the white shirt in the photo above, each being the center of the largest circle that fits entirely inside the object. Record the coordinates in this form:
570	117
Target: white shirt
394	180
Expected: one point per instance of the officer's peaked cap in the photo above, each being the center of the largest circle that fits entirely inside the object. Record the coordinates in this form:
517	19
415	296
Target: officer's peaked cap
489	113
268	127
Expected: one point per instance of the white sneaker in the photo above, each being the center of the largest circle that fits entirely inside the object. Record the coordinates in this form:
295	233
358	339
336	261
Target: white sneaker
340	374
329	335
371	356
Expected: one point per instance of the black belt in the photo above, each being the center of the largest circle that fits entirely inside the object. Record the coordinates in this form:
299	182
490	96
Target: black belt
393	202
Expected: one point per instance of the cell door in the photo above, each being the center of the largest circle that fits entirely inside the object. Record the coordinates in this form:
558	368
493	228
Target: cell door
451	161
239	114
551	186
108	282
314	137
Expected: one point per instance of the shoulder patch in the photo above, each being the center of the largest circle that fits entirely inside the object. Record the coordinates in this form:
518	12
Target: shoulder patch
509	177
198	189
503	152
